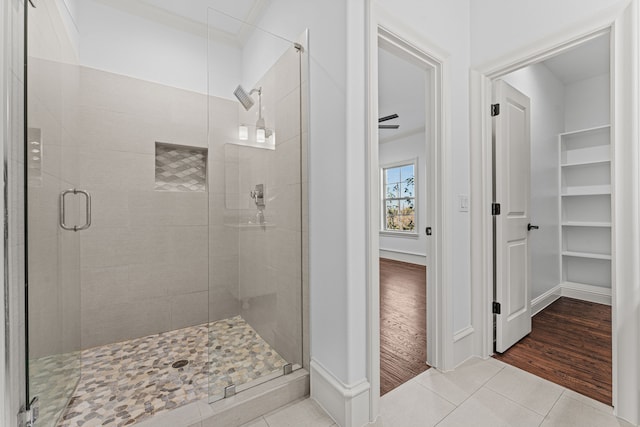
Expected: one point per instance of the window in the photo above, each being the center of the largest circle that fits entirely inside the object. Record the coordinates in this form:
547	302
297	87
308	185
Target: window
399	198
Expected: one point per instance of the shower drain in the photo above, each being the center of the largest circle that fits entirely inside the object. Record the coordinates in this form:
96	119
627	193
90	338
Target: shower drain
180	364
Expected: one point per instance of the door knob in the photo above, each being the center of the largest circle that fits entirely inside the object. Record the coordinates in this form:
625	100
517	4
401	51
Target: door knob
532	227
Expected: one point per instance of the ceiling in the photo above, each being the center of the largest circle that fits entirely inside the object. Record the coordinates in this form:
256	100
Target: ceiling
588	60
401	90
230	21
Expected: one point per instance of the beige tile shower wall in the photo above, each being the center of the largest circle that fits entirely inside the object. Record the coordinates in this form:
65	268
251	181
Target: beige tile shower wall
223	210
145	266
270	258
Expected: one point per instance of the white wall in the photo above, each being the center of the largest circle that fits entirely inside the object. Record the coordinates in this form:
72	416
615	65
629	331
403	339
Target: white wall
588	103
407	149
500	27
135	46
546	92
447	26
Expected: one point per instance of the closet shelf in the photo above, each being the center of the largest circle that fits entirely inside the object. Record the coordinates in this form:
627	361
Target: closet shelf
586	255
586	190
585	163
586	224
593	129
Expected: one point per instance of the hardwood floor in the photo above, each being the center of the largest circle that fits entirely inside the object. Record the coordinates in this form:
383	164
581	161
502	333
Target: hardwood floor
403	324
570	345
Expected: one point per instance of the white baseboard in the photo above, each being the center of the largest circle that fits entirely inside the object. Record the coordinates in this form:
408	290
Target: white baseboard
545	300
584	292
348	405
573	290
412	258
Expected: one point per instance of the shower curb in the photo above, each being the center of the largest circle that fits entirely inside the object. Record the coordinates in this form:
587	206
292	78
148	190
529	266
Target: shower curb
239	409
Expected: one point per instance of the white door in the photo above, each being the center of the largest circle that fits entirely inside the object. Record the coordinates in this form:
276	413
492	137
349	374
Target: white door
511	190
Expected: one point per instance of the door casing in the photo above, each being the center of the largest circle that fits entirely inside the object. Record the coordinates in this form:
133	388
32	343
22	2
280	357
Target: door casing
382	26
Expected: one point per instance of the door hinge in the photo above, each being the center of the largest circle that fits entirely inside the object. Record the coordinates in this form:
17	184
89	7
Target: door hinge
28	416
495	110
495	208
495	308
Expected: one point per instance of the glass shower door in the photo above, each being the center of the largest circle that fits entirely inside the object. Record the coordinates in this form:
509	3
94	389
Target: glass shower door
53	247
255	307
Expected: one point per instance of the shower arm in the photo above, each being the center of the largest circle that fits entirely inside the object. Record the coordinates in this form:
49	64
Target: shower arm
260	124
259	90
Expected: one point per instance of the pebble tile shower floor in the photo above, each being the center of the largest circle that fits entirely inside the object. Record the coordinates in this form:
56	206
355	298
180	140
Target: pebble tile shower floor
127	382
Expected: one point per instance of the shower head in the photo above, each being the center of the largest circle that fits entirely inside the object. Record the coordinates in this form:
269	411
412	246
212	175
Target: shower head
245	97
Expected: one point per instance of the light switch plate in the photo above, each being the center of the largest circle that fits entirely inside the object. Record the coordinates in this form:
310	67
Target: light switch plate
463	203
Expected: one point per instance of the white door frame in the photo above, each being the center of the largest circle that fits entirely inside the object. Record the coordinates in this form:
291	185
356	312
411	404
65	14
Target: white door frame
382	26
622	24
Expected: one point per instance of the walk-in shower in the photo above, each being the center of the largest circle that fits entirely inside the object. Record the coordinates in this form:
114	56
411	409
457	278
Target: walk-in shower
165	251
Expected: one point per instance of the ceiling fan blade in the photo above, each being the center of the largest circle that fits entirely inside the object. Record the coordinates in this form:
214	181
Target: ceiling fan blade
388	126
389	117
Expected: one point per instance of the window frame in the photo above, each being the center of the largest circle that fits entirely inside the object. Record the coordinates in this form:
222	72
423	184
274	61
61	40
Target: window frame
383	187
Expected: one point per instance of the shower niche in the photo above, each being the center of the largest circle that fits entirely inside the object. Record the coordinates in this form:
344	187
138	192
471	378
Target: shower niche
180	168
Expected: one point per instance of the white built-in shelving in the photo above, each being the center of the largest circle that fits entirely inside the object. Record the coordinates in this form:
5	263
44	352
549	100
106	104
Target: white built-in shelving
585	206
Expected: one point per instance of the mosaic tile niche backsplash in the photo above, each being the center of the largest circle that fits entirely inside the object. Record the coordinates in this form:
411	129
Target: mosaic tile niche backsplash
180	168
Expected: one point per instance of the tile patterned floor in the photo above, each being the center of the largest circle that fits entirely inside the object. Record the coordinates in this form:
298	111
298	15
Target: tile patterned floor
304	413
130	381
493	394
479	393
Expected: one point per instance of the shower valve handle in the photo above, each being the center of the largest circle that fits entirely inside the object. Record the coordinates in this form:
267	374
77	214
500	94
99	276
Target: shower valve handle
258	195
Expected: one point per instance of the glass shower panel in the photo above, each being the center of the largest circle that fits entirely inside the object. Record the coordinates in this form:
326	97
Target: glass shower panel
122	300
53	259
255	306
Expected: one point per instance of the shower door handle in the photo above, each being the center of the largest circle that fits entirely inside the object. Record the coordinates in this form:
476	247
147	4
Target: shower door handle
87	222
